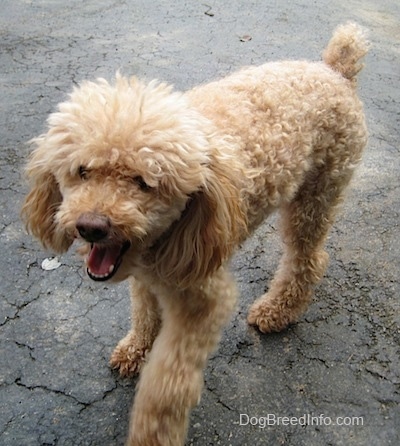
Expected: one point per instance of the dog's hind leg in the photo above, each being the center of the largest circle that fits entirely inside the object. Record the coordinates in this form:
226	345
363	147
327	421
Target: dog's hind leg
172	379
130	353
305	224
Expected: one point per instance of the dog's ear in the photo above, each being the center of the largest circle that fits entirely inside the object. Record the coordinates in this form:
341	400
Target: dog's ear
41	205
206	234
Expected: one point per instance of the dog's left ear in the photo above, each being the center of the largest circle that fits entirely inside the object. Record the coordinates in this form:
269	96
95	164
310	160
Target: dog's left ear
208	231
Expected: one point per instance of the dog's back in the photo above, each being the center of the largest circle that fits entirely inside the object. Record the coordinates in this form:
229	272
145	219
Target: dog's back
288	116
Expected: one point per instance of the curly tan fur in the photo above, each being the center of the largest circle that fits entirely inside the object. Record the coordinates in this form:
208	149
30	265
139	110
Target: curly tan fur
162	186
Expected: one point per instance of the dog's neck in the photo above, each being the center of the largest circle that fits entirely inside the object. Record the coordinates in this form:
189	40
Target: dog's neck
150	255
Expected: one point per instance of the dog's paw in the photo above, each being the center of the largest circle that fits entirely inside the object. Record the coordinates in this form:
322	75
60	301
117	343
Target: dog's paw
129	356
268	317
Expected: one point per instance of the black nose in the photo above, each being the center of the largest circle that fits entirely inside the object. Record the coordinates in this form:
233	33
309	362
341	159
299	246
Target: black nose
93	227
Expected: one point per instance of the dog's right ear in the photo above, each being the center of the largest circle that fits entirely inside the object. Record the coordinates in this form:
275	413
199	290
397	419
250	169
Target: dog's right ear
41	205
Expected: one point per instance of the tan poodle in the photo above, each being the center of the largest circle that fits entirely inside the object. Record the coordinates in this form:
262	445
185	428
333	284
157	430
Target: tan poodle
162	186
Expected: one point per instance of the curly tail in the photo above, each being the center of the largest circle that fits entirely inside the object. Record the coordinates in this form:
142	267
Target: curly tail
345	49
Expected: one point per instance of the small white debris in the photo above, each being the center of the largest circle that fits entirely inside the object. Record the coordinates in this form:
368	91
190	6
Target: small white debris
50	263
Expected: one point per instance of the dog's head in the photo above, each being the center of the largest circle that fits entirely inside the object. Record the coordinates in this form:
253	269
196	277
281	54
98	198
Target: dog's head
138	175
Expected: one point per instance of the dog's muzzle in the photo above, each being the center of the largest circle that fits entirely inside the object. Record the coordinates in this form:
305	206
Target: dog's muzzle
106	251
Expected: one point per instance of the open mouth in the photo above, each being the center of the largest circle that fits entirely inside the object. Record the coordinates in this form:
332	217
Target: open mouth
104	260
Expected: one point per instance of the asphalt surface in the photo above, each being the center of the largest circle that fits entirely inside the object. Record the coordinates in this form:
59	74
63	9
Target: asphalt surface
339	364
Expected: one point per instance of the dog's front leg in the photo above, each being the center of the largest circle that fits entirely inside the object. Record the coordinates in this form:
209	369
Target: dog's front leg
172	380
130	354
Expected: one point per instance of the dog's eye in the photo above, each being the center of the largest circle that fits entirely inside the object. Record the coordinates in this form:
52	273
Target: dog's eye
141	183
83	173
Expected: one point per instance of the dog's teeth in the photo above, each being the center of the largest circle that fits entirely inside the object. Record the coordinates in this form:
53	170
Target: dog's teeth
111	269
101	276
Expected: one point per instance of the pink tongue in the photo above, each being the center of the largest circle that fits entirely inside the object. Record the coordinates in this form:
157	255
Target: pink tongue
102	257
